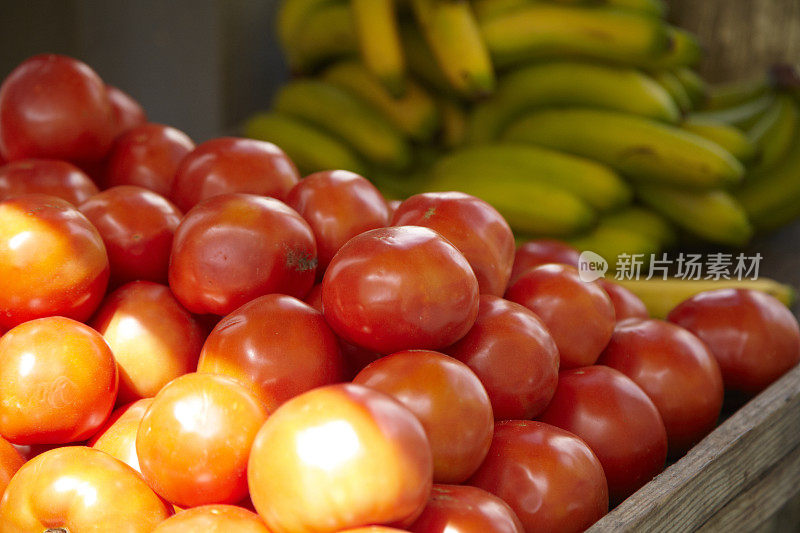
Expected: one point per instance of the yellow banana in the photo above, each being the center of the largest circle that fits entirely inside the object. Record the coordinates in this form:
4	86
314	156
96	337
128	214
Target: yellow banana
291	18
742	115
774	131
675	88
328	33
642	149
644	221
731	138
454	123
683	50
695	86
379	42
723	96
421	62
490	8
655	8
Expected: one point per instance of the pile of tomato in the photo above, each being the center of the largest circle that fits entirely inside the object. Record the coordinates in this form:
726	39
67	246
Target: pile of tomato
213	343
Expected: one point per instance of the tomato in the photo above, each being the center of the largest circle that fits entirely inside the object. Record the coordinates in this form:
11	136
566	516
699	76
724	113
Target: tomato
753	336
233	248
549	477
398	288
449	401
540	252
338	205
46	176
617	420
10	461
465	509
213	518
676	370
153	338
374	529
347	440
230	165
126	112
514	356
471	225
137	227
55	107
79	489
393	205
52	261
59	382
626	304
195	437
578	314
276	345
117	437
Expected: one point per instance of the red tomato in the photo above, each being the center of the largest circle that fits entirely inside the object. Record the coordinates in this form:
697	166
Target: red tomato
233	248
230	165
59	382
465	509
10	461
52	261
471	225
46	176
276	345
153	338
578	314
393	205
117	437
676	370
213	518
626	304
540	252
753	336
338	205
347	440
399	288
449	401
617	420
549	477
195	438
55	107
148	156
126	112
79	489
137	227
514	356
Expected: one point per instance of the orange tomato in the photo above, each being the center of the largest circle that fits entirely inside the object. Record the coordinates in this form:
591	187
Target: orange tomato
213	518
117	437
10	461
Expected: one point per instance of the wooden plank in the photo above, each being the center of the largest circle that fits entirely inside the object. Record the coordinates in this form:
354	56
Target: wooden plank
722	465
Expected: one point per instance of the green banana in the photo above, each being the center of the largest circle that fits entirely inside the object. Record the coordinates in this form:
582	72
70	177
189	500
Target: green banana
675	88
415	113
774	131
713	215
311	149
695	86
536	31
379	42
347	117
742	115
724	96
598	186
291	18
642	149
328	33
654	8
490	8
611	241
570	83
646	222
454	123
421	62
683	50
731	138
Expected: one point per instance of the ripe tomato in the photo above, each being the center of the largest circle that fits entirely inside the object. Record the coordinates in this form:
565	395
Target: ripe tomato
449	401
276	345
148	156
578	314
46	176
230	165
153	338
338	205
514	356
55	107
626	304
10	461
676	370
117	437
52	261
399	288
471	225
126	112
59	382
233	248
79	489
213	518
540	252
617	420
374	529
195	437
753	336
549	477
347	440
465	509
137	227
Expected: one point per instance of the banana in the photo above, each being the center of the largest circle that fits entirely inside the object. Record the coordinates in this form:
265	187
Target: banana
642	149
675	88
731	138
598	186
572	83
421	62
490	8
695	86
291	18
348	118
683	50
713	215
723	96
328	33
379	42
310	149
611	241
454	123
451	30
654	8
662	295
742	115
535	31
415	113
774	131
644	221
